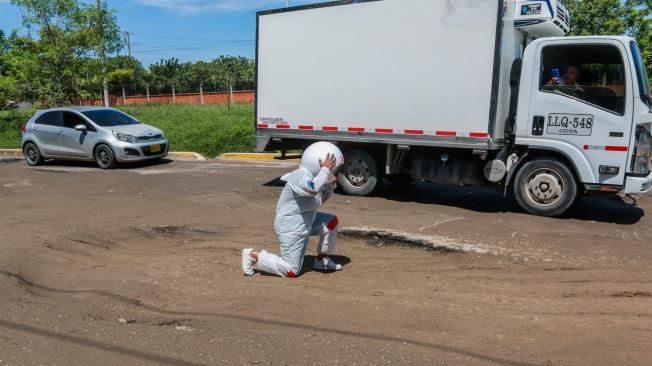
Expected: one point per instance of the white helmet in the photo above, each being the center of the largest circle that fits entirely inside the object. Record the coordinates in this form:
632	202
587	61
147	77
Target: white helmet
318	151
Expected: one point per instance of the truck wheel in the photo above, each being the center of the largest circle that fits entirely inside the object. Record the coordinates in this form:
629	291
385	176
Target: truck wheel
545	187
359	176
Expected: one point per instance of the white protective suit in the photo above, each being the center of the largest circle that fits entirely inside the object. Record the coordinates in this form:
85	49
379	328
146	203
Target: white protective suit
297	218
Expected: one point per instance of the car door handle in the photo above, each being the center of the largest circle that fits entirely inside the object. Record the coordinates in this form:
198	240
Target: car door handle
537	125
60	132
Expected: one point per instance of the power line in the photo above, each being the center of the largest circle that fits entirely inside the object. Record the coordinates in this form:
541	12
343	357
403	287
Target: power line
150	35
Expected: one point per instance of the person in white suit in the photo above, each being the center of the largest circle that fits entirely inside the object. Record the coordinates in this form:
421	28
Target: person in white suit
297	216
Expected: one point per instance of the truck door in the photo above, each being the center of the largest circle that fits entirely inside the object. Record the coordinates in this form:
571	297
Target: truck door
582	104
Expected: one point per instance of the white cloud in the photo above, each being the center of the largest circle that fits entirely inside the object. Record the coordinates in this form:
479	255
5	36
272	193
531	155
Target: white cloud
194	6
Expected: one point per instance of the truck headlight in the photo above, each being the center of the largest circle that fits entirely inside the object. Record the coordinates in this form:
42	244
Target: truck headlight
124	137
642	152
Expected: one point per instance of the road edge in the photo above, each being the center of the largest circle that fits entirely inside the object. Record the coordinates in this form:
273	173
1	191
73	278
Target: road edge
257	156
18	153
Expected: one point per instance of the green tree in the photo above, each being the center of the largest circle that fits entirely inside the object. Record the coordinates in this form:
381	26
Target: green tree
614	17
67	36
121	77
233	72
17	65
198	74
167	73
124	72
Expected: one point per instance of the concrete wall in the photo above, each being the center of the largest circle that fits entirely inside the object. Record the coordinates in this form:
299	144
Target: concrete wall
209	98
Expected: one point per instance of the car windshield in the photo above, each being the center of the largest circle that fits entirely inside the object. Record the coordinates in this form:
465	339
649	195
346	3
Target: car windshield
108	117
643	81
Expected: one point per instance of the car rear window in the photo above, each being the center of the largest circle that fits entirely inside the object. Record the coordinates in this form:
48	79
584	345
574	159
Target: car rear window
49	119
106	118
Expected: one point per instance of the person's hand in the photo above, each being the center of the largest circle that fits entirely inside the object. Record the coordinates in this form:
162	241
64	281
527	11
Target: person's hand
554	81
579	91
329	162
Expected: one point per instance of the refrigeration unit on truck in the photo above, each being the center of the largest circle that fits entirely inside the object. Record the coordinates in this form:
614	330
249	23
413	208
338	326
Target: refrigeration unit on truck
460	92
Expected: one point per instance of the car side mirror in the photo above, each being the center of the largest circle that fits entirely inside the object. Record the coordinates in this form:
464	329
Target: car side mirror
81	128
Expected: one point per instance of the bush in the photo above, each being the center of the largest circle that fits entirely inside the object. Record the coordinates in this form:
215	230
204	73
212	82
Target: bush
11	122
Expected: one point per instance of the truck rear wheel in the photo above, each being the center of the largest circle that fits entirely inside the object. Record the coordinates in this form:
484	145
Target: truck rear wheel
359	176
545	187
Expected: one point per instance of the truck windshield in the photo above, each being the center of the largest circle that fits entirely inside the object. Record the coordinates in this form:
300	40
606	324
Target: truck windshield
643	81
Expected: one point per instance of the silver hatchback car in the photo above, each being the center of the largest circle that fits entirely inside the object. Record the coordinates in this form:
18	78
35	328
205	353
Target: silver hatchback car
104	135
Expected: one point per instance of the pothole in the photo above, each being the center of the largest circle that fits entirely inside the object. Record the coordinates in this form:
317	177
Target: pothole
383	237
632	294
170	230
93	241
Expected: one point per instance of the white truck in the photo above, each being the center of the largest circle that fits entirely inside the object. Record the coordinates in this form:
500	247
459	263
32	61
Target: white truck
459	92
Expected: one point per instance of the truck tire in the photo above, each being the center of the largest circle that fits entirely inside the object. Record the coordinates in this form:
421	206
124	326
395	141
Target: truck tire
545	187
359	176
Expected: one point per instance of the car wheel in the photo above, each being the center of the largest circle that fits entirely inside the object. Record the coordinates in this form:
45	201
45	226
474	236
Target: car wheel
104	157
32	154
359	176
545	187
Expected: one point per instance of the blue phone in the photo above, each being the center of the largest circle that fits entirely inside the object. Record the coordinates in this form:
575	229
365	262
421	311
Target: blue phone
555	73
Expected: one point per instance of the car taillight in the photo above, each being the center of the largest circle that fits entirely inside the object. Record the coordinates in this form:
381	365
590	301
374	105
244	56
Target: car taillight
24	129
642	158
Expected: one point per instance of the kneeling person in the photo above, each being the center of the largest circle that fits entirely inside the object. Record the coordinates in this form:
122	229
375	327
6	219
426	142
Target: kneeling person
297	216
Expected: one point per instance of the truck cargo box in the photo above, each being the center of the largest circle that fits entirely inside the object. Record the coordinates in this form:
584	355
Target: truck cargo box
400	71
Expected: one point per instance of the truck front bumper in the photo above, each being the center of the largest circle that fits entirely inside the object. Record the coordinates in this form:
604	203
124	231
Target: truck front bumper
638	185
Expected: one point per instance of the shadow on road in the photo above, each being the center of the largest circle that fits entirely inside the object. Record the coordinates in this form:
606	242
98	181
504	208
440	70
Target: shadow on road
277	182
93	165
307	265
607	209
309	259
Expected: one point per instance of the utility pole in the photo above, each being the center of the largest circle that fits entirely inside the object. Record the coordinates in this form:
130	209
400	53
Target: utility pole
100	26
128	43
287	3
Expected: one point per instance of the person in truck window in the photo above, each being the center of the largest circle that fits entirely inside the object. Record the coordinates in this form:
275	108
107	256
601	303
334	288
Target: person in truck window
568	78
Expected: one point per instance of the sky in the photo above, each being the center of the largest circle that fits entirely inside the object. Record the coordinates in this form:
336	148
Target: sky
190	30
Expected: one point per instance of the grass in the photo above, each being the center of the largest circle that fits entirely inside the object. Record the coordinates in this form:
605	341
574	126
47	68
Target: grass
209	130
10	125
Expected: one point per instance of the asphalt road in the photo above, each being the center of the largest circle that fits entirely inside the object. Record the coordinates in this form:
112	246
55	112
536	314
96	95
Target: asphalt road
141	266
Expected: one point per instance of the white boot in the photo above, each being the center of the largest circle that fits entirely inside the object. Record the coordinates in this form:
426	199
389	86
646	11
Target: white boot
248	262
326	264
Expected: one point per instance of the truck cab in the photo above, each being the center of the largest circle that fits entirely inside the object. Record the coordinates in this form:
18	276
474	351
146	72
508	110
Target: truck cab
594	118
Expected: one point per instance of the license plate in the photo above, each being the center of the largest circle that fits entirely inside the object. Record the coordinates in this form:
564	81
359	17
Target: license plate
155	148
570	124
